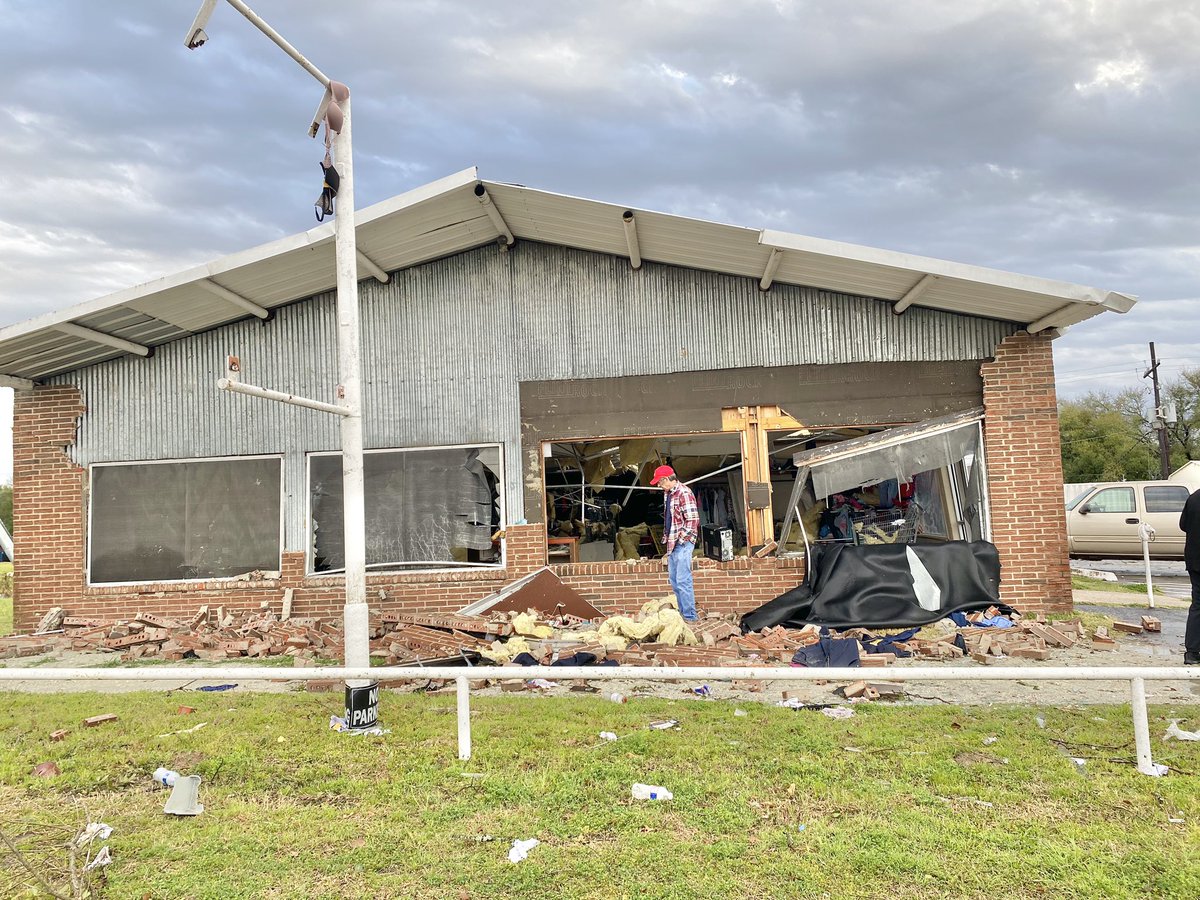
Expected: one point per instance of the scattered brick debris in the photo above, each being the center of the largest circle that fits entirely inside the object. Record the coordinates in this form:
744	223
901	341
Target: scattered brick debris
415	639
1128	627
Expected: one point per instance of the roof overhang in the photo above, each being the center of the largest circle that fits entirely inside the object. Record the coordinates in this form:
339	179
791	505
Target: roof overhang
460	213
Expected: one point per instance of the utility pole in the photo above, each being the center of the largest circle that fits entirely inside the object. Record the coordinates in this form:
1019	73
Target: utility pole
362	695
1159	420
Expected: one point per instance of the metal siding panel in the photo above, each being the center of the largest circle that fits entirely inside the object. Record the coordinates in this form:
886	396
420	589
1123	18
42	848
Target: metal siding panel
446	344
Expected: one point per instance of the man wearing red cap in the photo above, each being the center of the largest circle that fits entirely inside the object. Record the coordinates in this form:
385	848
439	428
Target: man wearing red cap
681	528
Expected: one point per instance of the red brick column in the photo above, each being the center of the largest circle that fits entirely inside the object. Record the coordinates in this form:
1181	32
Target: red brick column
524	549
48	525
1024	467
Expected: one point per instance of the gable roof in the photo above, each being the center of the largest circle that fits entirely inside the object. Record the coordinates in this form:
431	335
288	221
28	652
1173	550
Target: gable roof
452	215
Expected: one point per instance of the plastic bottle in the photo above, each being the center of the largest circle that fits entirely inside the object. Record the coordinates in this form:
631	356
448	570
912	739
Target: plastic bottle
650	792
166	777
616	697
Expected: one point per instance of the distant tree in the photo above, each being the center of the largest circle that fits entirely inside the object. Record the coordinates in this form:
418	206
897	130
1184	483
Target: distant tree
1185	433
1099	443
6	506
1110	436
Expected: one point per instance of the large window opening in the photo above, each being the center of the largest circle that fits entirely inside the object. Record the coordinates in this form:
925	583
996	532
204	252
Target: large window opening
601	506
425	508
853	484
905	484
184	520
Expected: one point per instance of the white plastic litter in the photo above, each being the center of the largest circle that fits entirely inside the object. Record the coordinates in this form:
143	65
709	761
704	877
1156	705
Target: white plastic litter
520	849
650	792
541	684
791	703
618	697
740	712
95	831
665	725
165	777
1174	732
607	736
837	712
1157	770
1079	763
103	858
991	739
337	723
1041	721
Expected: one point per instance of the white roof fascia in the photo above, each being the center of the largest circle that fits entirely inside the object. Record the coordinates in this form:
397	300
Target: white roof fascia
921	266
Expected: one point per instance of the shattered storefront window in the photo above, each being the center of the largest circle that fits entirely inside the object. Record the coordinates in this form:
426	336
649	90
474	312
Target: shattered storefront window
895	485
174	521
424	508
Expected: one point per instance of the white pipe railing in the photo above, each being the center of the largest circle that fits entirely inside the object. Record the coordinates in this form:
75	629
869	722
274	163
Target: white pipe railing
1146	533
1137	676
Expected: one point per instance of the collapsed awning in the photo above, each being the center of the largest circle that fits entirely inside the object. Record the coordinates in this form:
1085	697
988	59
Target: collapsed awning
895	453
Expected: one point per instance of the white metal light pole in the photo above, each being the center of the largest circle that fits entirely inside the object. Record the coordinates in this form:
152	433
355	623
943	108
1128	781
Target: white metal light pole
349	393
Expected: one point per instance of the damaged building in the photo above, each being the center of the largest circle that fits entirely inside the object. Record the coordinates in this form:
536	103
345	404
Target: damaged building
528	359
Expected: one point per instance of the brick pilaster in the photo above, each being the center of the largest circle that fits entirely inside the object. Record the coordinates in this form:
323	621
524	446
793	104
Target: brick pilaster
1024	467
48	525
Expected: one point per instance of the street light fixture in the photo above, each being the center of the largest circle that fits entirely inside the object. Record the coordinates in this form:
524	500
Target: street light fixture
334	112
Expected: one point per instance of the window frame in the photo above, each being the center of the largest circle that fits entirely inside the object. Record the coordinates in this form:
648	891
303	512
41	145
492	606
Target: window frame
1162	488
1128	491
87	562
416	566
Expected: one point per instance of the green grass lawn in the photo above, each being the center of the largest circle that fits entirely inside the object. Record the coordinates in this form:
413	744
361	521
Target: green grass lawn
6	613
897	802
1086	583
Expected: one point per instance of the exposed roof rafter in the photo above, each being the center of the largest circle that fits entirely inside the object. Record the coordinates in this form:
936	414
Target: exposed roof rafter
913	294
373	268
631	238
771	268
236	299
99	337
494	214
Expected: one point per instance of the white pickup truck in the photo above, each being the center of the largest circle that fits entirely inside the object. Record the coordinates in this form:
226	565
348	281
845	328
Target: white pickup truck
1103	521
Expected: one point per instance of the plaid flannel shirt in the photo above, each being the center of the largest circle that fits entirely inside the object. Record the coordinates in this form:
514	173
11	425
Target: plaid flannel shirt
682	515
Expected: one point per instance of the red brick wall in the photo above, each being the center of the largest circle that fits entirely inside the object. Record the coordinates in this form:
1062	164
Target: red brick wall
733	587
49	529
1024	467
48	526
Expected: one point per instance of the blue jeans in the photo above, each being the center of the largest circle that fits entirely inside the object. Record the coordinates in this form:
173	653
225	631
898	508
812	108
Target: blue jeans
679	570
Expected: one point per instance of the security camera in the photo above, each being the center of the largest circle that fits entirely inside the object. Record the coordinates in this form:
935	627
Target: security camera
195	35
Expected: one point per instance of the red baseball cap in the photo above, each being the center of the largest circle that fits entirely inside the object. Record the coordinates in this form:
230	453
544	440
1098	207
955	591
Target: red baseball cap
662	472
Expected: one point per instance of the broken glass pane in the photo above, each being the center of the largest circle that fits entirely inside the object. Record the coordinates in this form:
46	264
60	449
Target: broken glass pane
423	507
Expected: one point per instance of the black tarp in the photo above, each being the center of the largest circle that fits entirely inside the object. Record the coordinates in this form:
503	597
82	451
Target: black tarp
886	585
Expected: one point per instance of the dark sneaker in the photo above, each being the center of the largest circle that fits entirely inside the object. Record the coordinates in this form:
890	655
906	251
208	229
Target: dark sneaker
1191	659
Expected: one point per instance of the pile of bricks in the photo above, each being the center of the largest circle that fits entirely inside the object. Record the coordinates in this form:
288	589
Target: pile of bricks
217	635
430	639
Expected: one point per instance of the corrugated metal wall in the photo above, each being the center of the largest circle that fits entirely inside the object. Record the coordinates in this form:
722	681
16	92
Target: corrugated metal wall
445	345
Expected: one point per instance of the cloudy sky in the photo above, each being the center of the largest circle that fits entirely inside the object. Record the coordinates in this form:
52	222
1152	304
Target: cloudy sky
1055	138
